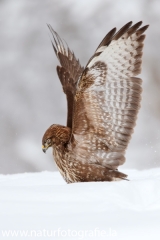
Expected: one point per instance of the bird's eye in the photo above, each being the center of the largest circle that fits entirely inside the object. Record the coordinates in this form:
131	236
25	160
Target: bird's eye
48	141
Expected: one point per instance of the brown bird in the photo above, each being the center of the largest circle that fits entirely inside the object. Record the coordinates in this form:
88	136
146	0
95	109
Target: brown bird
103	102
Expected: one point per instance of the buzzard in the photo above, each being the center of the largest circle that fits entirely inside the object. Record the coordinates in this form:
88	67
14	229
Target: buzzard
103	102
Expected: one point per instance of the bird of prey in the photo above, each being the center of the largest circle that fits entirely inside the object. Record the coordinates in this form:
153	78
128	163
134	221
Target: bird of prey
103	101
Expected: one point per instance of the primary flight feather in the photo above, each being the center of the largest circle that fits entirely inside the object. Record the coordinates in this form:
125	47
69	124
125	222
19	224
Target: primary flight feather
103	101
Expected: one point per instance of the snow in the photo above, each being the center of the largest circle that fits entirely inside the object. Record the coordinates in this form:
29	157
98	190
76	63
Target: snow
42	206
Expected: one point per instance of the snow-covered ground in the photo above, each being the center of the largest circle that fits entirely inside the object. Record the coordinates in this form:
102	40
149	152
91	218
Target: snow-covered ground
42	206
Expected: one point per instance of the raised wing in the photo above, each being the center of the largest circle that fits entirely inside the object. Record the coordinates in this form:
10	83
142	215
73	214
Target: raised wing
69	72
108	98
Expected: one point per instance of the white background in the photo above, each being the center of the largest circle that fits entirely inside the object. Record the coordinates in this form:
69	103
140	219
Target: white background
31	97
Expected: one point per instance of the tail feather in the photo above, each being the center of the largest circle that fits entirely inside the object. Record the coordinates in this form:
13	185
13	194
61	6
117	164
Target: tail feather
115	175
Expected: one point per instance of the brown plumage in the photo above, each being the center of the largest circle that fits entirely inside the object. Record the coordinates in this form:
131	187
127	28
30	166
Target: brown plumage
103	101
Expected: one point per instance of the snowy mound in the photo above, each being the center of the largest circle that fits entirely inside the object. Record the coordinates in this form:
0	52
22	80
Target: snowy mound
43	206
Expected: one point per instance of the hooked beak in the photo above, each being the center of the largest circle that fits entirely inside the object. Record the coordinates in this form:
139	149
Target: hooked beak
44	149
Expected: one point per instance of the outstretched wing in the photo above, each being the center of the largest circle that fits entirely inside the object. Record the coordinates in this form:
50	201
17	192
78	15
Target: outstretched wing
69	72
108	98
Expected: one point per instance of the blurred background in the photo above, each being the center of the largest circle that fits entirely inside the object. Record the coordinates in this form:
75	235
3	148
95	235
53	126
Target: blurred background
31	97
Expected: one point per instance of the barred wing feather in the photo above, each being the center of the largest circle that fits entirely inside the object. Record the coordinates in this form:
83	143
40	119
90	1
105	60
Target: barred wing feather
69	72
108	98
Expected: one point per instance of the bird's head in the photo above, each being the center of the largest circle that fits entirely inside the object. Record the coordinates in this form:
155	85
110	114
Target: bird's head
55	135
48	138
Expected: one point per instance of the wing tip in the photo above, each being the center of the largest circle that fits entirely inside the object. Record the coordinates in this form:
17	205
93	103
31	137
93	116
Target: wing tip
122	31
